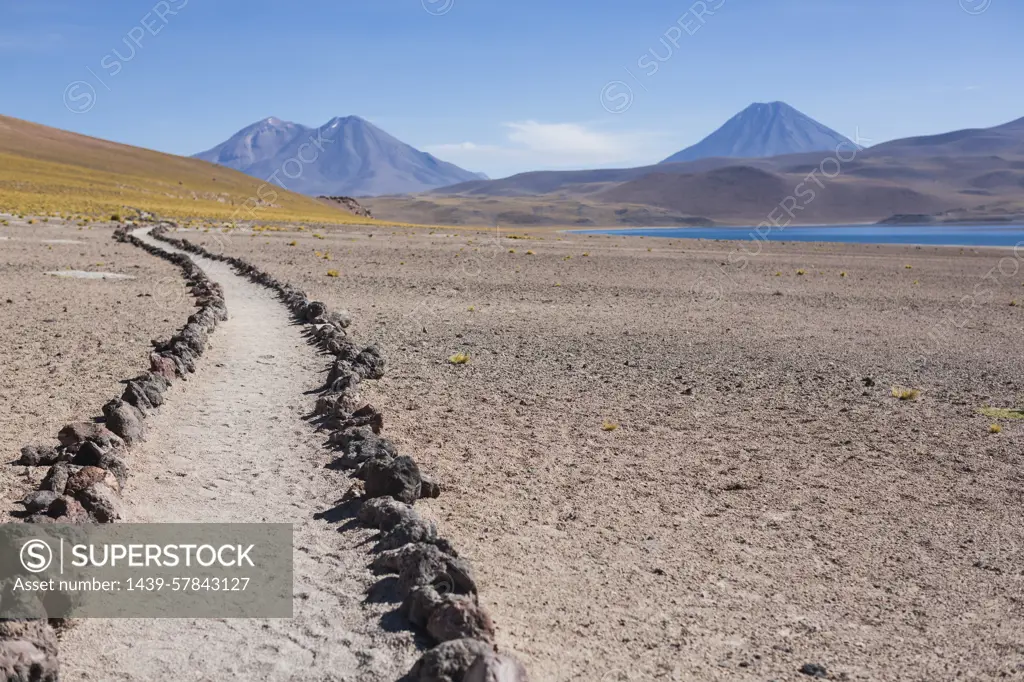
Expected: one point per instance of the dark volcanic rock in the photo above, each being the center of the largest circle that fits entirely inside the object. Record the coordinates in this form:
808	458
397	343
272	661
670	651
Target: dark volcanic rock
313	310
154	386
429	488
424	564
450	661
385	513
83	478
493	667
420	603
460	616
369	363
194	336
342	348
336	405
39	455
325	405
361	445
183	356
814	670
408	531
39	500
57	478
163	365
343	379
125	420
40	517
88	454
83	431
367	415
398	477
101	501
339	369
134	395
115	464
68	510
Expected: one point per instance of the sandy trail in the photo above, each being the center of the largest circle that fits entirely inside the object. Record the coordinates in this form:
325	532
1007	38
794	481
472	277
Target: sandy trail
231	445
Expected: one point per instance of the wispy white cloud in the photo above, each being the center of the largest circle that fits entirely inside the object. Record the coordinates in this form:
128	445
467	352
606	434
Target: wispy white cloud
531	145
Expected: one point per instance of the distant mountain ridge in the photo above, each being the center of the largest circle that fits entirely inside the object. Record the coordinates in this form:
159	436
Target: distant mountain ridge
763	130
971	175
345	156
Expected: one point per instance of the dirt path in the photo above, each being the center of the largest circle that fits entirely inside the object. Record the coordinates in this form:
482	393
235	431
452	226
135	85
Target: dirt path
231	445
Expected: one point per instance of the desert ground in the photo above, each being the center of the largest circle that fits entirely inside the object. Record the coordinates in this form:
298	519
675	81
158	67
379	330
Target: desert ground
67	342
661	464
668	466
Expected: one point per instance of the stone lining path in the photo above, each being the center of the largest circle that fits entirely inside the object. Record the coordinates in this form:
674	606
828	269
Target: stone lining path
231	445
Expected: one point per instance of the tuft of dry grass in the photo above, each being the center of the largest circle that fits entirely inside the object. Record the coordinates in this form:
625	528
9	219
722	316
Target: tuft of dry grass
1002	413
905	393
459	359
609	426
995	428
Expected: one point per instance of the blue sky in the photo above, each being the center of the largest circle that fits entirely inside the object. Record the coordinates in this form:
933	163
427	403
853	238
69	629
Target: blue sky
503	86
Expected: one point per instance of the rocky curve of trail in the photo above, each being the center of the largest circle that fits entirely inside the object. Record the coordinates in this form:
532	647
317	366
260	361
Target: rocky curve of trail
232	445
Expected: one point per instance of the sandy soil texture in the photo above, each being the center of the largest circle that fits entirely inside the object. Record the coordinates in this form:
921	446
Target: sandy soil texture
66	343
665	466
231	445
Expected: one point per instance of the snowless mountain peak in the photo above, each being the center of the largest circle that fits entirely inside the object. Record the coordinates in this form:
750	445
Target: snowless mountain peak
765	129
347	156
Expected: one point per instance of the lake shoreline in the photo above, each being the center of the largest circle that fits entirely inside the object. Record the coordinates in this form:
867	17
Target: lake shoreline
911	235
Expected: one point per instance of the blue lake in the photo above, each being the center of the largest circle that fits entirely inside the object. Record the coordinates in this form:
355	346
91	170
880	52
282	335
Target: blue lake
960	235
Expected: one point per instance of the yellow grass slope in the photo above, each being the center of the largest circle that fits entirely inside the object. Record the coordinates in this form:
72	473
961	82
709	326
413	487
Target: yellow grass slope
46	170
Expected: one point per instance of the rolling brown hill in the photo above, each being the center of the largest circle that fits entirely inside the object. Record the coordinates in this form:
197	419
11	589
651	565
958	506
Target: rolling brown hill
742	194
965	175
47	170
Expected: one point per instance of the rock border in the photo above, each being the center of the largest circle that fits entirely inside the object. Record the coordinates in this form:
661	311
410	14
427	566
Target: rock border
438	592
89	468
